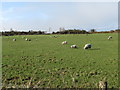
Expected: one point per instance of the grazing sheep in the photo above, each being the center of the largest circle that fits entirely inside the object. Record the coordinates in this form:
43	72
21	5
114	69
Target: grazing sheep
14	39
110	37
65	42
73	46
87	46
26	39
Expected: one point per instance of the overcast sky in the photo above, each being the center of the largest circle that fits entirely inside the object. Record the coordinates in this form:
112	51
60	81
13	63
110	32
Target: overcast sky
42	15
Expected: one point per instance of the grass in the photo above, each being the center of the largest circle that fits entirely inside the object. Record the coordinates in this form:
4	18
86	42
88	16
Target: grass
45	62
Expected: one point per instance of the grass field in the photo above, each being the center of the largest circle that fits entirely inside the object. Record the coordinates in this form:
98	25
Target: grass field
45	62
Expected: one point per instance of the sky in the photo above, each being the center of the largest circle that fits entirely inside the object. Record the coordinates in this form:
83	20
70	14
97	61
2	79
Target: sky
70	15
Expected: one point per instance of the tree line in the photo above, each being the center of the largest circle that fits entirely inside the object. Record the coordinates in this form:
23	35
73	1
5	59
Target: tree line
72	31
69	31
11	33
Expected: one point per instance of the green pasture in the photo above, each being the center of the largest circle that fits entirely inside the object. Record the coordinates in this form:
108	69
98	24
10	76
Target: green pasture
45	62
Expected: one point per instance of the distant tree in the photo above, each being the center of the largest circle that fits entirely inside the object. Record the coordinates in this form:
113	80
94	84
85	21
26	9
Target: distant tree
92	30
112	31
84	31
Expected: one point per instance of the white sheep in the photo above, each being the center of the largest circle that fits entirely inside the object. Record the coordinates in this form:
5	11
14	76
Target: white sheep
26	39
87	46
110	37
64	42
73	46
14	39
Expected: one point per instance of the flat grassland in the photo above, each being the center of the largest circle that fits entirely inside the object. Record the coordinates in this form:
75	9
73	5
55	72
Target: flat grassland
45	62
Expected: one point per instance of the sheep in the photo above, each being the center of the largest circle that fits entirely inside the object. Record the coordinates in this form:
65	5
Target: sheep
26	39
110	37
64	42
14	39
87	46
73	46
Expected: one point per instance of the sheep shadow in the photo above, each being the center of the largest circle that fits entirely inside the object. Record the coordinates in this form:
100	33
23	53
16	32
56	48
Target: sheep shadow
95	49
